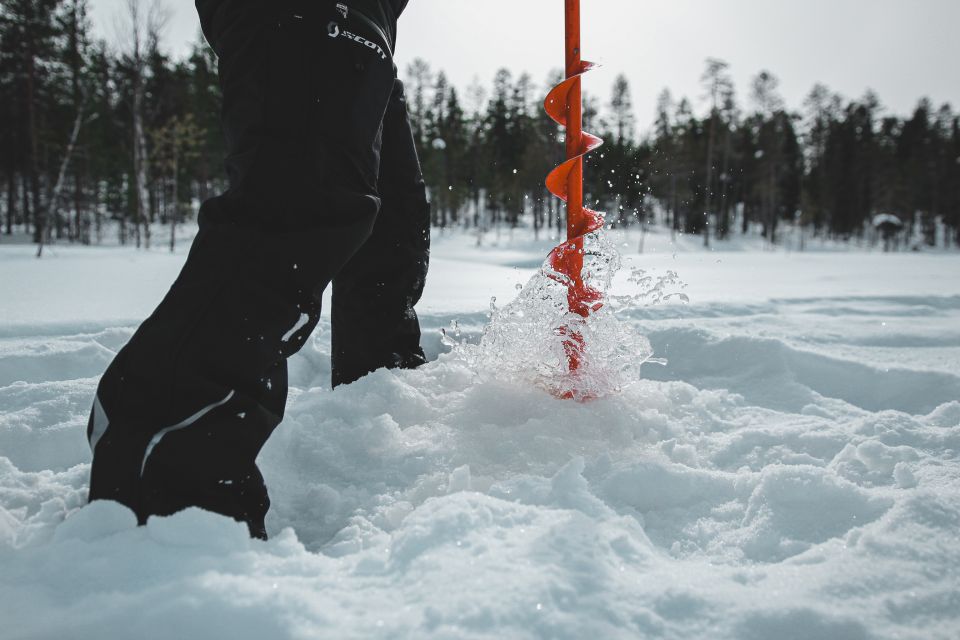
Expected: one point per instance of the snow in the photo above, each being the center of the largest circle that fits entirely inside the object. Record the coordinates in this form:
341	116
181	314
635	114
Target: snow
791	472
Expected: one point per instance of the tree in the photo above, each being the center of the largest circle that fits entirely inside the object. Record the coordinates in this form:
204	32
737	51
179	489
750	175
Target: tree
205	104
446	129
764	93
821	112
548	152
143	26
76	26
10	136
419	79
133	136
776	181
29	47
175	144
500	147
848	163
952	179
718	85
618	169
621	110
474	165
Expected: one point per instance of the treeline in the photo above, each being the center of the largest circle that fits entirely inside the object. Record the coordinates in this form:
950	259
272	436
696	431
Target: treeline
127	138
92	134
829	170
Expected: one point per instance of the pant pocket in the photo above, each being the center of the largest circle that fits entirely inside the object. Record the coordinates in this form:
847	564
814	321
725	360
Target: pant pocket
354	81
328	85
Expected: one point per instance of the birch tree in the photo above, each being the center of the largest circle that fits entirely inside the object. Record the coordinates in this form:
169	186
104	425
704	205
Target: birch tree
141	26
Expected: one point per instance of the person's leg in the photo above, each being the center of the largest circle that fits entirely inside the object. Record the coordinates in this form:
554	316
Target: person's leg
374	322
184	408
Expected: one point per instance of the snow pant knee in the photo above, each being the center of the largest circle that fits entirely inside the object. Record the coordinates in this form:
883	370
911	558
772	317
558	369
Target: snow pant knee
374	321
184	409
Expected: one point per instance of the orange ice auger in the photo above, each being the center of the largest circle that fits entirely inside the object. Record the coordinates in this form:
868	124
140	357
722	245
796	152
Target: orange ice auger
564	105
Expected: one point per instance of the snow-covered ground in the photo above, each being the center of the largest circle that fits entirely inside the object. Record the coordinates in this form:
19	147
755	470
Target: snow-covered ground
792	472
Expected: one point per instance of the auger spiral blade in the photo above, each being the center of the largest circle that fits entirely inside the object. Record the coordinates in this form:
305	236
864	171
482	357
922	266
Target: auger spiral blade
564	105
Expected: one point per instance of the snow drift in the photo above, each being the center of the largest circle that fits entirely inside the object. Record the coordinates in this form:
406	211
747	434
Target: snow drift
791	472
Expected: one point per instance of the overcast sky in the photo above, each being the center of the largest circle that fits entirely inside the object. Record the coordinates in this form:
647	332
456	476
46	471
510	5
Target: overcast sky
902	49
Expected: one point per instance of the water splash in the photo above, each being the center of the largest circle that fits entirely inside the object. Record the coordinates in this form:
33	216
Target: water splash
523	341
651	290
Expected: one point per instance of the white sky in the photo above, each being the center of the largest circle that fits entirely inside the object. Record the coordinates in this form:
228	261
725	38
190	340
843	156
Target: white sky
902	49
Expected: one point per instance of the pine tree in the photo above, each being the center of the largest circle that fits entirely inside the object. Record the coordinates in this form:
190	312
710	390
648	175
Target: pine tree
30	32
776	144
953	180
205	103
620	150
819	116
718	85
419	79
663	180
728	117
10	135
500	147
135	136
475	166
689	136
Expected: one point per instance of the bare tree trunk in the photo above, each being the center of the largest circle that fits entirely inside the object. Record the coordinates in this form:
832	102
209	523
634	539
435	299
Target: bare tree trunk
11	200
709	188
478	213
724	226
81	226
675	226
204	177
771	217
27	206
549	213
176	204
156	18
59	223
643	233
34	164
141	194
98	215
54	199
537	207
74	230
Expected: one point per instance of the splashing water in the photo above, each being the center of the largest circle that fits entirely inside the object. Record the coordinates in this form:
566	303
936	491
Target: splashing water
524	342
653	290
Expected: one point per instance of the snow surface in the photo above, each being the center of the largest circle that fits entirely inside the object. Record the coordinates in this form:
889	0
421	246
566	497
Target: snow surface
792	472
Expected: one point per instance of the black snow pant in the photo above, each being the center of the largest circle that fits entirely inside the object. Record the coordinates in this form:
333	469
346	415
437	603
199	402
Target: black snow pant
325	186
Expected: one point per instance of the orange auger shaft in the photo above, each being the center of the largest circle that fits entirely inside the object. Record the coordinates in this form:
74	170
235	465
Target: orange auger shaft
564	105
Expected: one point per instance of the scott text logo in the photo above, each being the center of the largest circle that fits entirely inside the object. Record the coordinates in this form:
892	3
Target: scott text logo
334	31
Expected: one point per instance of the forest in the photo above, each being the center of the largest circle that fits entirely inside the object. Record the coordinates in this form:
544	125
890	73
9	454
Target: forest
117	142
